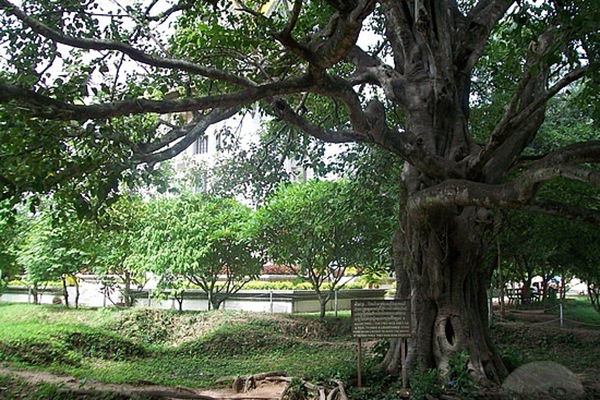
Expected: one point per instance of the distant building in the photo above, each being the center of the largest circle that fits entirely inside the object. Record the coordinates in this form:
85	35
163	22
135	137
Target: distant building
207	150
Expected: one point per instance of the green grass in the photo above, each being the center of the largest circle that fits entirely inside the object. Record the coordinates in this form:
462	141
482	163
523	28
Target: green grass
164	347
579	309
194	349
576	345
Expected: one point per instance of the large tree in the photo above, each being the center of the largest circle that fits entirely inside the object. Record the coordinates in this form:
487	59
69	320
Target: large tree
77	130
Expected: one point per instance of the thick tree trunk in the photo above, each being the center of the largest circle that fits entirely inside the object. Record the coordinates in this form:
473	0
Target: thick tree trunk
440	268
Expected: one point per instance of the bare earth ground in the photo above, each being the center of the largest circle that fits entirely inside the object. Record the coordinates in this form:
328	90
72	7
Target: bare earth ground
265	390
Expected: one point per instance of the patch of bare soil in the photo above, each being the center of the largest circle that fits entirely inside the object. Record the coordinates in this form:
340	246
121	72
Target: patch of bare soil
264	390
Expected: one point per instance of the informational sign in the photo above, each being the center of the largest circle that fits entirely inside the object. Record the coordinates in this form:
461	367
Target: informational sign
378	319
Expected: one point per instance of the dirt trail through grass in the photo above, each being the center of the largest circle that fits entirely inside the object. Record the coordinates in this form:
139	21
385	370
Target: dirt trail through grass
264	390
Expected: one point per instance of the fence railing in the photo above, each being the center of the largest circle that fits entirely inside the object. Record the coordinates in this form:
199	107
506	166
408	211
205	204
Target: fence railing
559	311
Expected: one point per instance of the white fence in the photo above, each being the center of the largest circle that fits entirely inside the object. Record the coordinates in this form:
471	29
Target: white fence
273	301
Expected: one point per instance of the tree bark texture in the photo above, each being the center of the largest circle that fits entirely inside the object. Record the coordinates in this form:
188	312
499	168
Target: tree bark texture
439	247
441	267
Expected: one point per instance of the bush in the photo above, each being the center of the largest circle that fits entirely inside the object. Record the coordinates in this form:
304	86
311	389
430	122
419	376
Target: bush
294	285
277	285
273	269
458	379
425	383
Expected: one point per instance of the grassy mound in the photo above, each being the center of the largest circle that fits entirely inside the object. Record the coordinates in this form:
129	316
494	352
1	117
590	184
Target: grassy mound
171	328
70	348
166	347
103	345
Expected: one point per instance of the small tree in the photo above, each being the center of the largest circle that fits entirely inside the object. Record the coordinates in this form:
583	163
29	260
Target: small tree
324	228
114	238
203	238
51	250
10	226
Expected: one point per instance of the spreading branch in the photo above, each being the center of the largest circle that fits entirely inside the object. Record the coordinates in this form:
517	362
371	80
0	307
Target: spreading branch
283	110
333	43
513	119
522	191
133	53
478	24
194	132
573	212
50	108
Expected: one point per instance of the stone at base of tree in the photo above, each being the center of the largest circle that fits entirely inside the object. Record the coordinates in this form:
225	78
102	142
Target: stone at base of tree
544	380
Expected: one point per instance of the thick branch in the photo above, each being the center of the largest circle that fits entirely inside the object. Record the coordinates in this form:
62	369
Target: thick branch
285	112
518	192
412	149
133	53
400	35
343	36
49	108
370	69
512	120
339	89
287	31
333	43
523	117
404	144
479	23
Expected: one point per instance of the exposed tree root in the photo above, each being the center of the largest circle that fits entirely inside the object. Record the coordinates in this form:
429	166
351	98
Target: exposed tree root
296	389
337	392
244	383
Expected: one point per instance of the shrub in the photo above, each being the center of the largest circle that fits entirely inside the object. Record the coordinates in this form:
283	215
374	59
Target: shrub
458	375
272	269
425	383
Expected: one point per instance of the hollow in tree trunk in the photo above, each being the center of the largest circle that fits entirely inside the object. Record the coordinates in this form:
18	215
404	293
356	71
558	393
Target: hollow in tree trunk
439	267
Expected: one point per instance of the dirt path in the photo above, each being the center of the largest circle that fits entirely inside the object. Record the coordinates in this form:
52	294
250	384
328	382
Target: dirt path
265	390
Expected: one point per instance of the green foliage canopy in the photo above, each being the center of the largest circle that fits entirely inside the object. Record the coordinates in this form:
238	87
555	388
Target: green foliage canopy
324	228
207	240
